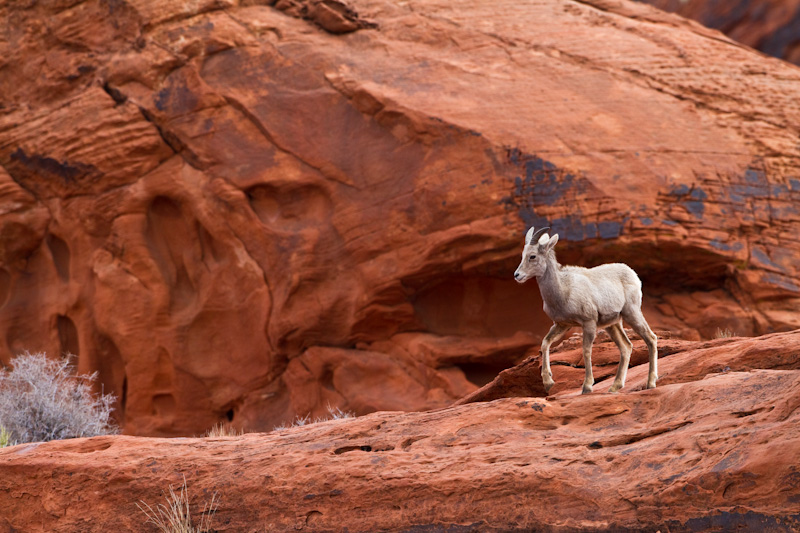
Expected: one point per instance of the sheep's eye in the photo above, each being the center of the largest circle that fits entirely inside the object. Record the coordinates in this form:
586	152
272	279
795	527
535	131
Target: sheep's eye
532	257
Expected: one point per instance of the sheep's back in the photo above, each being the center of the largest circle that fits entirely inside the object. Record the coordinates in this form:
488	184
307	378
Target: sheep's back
611	285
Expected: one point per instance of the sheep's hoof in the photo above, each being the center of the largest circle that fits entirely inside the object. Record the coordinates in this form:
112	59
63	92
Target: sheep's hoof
615	388
548	385
651	385
586	390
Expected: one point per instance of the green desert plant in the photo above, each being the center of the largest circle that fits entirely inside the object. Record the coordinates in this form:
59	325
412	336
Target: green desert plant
5	438
41	399
175	516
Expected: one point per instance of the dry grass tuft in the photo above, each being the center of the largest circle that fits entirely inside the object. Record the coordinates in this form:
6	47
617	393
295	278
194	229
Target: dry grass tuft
175	516
223	430
725	333
334	413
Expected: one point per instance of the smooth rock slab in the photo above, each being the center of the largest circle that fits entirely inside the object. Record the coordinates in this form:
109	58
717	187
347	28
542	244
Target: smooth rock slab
720	452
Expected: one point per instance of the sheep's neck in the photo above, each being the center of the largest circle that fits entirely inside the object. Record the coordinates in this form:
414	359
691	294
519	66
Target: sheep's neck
550	282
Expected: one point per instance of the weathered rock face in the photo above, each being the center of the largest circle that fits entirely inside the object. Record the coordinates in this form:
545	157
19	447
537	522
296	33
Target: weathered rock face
243	212
713	449
772	26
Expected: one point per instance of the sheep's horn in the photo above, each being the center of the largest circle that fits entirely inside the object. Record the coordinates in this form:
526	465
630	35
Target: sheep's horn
535	237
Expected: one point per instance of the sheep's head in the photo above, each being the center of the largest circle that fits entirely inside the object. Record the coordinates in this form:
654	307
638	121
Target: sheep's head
537	245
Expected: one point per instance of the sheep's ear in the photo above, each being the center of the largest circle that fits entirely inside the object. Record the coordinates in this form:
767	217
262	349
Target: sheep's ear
543	239
529	235
552	242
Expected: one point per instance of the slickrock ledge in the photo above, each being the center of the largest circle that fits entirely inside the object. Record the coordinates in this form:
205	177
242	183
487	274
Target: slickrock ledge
717	452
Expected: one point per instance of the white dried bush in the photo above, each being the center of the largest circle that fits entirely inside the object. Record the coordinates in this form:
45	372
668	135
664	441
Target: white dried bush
41	400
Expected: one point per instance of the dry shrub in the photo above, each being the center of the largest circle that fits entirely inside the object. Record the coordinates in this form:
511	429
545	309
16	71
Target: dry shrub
41	400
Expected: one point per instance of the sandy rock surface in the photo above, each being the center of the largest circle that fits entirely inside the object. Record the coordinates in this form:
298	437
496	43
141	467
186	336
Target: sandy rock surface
240	212
710	449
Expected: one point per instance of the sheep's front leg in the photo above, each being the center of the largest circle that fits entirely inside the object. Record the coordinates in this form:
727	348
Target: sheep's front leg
553	336
589	332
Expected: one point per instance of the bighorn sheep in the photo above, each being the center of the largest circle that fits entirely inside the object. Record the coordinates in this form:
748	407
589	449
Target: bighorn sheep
589	298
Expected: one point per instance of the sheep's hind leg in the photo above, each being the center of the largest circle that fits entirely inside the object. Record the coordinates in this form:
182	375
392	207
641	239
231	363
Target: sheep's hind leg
589	333
553	336
625	348
639	325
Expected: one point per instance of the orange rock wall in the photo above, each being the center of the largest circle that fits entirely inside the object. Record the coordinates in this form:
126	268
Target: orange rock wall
771	26
242	213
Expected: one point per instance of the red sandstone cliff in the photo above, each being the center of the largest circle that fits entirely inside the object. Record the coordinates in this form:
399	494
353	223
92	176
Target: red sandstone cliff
243	212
